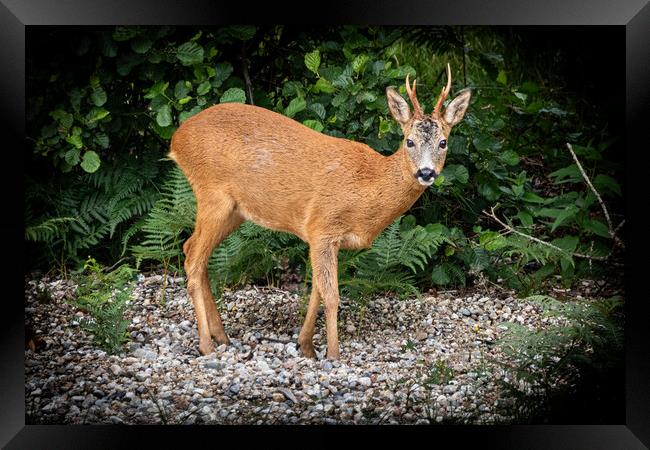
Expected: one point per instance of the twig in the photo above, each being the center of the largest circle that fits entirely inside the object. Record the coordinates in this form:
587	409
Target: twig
247	78
612	232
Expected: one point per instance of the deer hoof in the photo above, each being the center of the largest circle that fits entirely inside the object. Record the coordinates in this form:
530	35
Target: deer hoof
206	347
307	350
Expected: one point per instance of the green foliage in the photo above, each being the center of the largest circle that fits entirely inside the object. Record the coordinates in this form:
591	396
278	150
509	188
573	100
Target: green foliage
110	117
581	349
105	296
397	255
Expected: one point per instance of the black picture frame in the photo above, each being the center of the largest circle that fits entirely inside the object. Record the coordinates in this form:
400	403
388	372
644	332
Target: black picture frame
634	15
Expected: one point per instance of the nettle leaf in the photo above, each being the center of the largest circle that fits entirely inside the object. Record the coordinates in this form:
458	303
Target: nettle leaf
597	227
456	172
312	61
401	72
566	243
90	162
189	53
233	95
242	32
314	124
525	218
569	174
486	142
509	157
98	97
164	116
295	106
607	183
564	215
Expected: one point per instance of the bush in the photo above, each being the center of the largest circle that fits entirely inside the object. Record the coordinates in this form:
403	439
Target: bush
100	129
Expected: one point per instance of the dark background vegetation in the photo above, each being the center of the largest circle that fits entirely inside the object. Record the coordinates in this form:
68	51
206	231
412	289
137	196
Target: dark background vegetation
102	104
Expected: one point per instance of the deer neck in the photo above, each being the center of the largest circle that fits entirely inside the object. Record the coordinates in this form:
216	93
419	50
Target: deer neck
401	188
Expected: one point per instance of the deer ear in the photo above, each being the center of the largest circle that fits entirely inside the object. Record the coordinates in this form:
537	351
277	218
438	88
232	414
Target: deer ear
456	109
398	106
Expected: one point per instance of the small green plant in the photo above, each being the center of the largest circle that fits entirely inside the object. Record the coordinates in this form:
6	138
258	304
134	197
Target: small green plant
574	360
104	296
440	373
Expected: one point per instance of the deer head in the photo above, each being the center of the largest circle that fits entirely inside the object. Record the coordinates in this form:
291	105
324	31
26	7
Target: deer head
425	137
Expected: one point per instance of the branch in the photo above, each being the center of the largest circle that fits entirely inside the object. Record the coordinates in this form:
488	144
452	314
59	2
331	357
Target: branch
612	231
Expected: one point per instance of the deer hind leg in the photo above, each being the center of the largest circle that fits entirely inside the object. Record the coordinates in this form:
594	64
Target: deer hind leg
305	339
325	278
215	219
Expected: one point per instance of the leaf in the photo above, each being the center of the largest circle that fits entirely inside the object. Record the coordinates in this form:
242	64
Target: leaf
64	118
223	71
98	97
491	240
564	215
486	142
96	113
233	95
525	218
312	61
607	183
359	63
531	197
324	86
597	227
318	109
157	89
75	140
314	124
571	173
203	88
141	44
90	162
101	139
124	33
183	116
189	53
73	156
181	89
366	97
242	32
295	106
164	116
439	276
502	78
509	157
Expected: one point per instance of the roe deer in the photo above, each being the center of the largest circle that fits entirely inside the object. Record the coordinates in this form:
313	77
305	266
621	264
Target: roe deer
248	163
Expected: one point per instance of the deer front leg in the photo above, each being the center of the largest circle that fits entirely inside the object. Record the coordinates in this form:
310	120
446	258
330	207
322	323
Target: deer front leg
305	339
325	278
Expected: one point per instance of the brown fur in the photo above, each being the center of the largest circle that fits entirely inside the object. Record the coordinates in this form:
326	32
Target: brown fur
246	162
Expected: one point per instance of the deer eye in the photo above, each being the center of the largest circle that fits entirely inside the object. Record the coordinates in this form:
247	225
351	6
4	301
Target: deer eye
443	144
410	143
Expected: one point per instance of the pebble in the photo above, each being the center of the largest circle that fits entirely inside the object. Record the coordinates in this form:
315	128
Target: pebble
160	369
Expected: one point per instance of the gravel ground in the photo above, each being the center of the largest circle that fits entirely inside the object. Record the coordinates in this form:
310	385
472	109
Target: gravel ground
387	350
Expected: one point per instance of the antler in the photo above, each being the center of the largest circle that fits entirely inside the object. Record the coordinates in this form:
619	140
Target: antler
443	94
411	92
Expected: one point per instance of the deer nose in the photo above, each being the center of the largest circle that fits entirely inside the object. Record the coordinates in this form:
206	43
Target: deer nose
426	174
